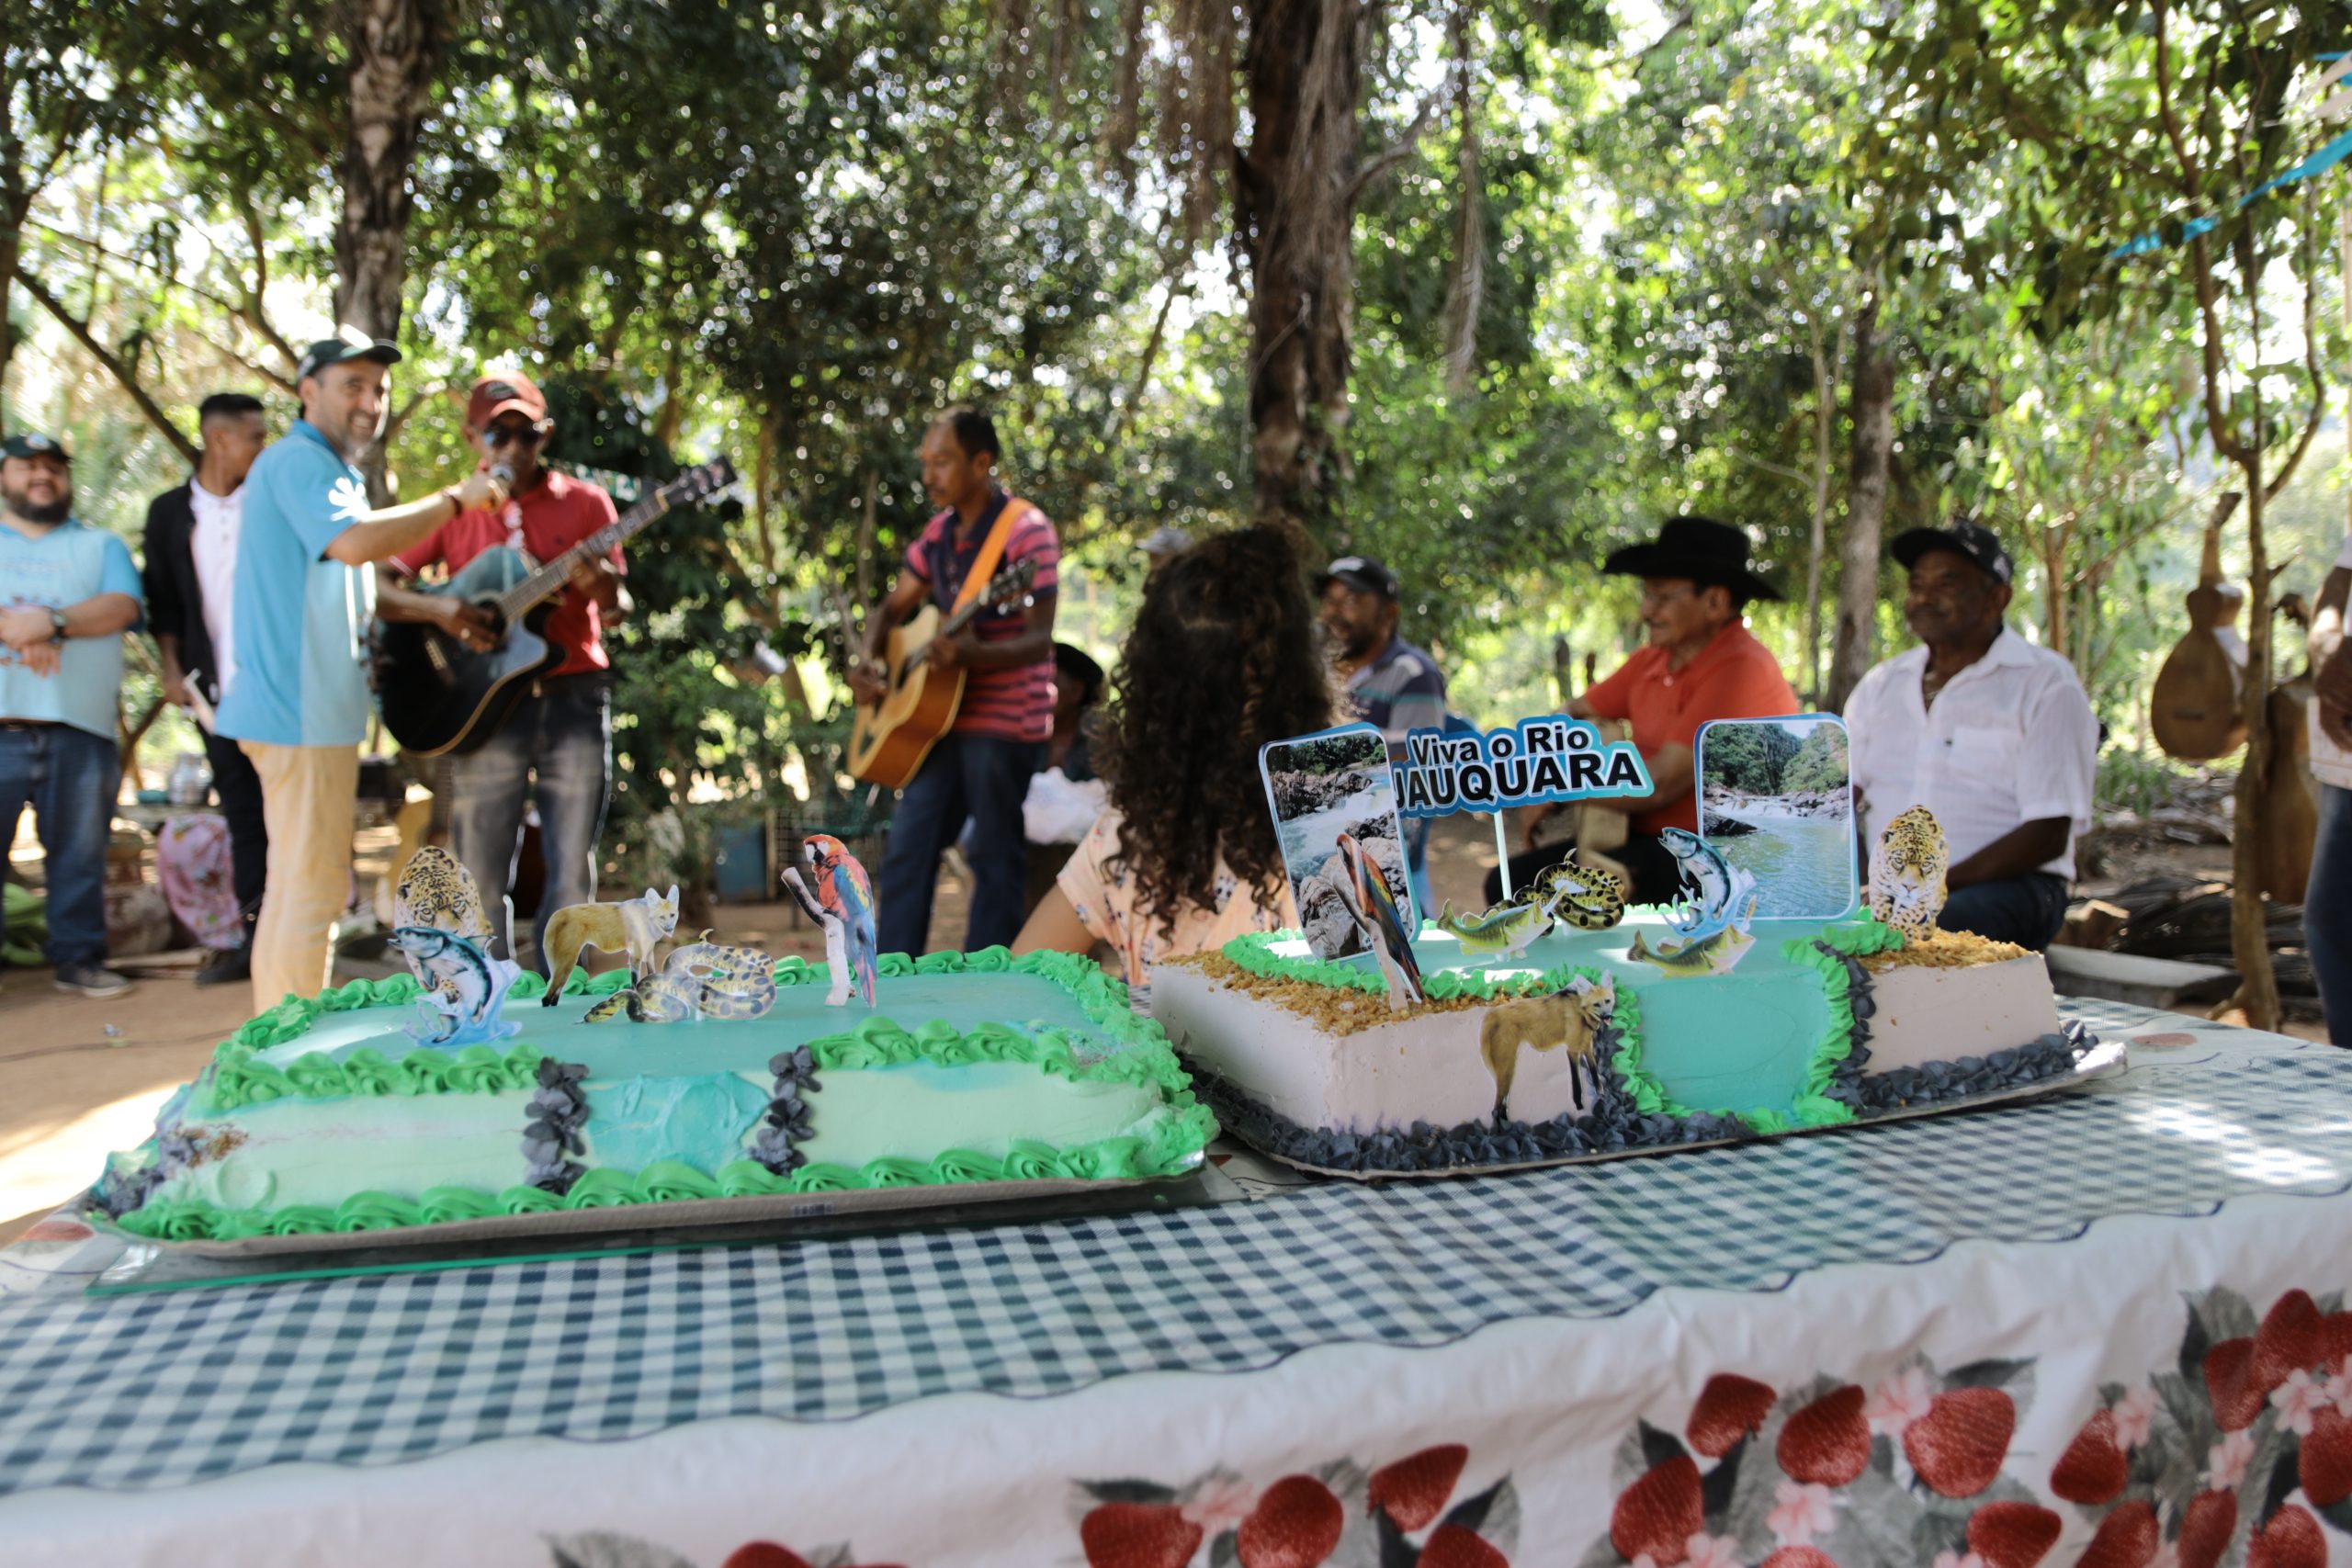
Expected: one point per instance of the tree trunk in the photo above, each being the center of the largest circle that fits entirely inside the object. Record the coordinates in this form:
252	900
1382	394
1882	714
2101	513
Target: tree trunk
2249	922
394	47
1825	433
1294	196
11	243
1867	474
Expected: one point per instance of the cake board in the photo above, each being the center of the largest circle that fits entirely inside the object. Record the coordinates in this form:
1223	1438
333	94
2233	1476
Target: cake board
2105	1059
150	1265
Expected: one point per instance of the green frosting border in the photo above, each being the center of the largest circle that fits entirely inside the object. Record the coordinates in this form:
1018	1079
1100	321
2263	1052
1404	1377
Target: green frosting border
1171	1145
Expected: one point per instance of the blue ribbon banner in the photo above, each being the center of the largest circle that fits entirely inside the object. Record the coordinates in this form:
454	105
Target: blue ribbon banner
2325	158
1534	761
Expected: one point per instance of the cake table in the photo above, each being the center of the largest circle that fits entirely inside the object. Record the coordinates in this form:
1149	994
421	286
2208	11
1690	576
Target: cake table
2113	1314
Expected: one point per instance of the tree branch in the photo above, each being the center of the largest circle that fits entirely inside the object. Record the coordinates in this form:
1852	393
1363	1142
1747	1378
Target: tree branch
123	374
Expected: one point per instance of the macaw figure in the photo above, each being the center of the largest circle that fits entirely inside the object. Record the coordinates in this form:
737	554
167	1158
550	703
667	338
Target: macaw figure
1366	894
842	902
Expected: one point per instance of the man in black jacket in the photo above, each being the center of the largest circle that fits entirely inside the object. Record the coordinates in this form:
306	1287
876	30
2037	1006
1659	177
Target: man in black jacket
191	567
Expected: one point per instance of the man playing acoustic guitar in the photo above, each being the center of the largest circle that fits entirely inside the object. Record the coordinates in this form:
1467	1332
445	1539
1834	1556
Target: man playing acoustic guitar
557	744
981	769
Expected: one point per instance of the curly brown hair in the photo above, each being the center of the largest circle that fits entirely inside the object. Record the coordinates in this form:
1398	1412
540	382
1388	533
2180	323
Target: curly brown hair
1222	658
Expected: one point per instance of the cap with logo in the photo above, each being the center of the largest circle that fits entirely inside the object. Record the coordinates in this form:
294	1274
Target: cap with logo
1360	573
1963	538
505	391
349	343
33	444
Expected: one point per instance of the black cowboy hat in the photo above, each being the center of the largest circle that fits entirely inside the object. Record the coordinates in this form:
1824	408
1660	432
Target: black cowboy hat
1707	552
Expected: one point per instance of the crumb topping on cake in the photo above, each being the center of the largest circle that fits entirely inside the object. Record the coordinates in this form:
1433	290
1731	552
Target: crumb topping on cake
1335	1010
1944	950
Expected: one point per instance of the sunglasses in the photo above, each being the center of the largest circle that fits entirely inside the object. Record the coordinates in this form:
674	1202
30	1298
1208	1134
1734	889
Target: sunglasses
514	435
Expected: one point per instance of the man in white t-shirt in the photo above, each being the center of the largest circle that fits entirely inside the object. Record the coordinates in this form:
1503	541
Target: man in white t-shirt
1990	733
190	574
2327	904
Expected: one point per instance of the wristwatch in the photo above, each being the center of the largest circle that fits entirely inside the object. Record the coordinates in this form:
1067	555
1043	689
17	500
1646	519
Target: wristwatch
56	625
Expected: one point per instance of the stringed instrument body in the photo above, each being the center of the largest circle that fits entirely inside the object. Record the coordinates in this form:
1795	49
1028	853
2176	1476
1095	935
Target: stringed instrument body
2196	708
890	739
437	695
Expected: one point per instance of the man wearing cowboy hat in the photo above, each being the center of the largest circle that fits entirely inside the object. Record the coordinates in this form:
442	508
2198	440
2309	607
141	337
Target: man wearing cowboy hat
1701	664
1990	733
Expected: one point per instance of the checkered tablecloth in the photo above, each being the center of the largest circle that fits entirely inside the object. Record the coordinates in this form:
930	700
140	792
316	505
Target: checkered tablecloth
160	1391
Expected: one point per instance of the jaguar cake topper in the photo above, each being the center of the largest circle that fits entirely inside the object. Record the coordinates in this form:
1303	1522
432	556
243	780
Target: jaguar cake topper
440	926
1381	923
1713	920
1907	868
843	903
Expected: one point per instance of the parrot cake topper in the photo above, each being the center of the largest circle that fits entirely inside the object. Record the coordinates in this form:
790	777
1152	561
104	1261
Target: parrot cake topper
838	897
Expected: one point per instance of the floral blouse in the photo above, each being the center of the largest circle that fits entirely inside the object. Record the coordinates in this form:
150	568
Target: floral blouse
1105	899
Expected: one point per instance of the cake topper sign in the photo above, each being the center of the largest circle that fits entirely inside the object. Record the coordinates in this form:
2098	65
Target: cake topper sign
1532	762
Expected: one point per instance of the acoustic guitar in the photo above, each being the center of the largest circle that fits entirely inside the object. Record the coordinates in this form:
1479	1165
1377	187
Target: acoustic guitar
2196	710
438	696
888	740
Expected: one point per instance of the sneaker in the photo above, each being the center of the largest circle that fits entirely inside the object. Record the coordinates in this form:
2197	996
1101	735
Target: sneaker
236	966
90	980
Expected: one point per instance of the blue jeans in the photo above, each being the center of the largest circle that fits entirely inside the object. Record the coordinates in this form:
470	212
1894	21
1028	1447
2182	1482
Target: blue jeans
975	776
70	778
563	736
2327	911
2028	912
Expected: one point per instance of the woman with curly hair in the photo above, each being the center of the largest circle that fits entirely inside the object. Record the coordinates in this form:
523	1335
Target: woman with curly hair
1222	658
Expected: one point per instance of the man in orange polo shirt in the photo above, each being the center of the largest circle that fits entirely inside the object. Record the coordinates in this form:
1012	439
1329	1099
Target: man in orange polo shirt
1701	664
557	747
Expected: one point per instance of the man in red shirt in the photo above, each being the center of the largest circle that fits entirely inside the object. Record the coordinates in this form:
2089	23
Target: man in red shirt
1701	664
979	770
557	745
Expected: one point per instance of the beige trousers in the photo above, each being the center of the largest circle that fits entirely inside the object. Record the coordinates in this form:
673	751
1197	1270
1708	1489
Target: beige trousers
308	795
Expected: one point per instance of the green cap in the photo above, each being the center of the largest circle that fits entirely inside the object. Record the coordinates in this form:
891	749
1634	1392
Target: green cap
349	343
33	444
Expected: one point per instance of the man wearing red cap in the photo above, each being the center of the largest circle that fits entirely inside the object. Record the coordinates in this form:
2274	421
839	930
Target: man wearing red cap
557	745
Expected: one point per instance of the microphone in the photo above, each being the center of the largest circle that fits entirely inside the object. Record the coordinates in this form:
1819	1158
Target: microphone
503	472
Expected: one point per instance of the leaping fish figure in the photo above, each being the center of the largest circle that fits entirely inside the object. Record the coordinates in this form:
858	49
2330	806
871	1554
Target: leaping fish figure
1503	932
1715	953
463	988
1366	892
1714	883
841	902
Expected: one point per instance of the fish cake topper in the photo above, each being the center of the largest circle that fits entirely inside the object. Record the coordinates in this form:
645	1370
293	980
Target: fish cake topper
441	927
1711	924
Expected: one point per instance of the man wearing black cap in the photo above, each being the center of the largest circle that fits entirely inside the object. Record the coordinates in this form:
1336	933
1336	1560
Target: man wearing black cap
305	590
1394	686
1992	734
68	592
1701	664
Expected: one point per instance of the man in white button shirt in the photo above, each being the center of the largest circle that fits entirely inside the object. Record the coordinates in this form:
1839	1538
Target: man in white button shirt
1990	733
191	570
2327	904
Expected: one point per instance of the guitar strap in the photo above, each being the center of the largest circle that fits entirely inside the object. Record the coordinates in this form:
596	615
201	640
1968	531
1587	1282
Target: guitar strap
991	552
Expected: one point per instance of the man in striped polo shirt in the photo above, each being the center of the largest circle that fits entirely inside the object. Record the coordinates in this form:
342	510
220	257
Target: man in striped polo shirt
981	769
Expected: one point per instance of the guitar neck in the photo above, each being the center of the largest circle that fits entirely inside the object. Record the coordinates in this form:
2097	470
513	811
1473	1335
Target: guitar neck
549	578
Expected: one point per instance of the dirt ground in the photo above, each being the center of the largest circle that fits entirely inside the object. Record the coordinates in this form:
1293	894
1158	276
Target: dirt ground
79	1079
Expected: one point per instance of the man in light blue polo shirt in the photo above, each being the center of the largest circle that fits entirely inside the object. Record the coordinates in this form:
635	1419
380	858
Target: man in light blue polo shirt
68	592
305	592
